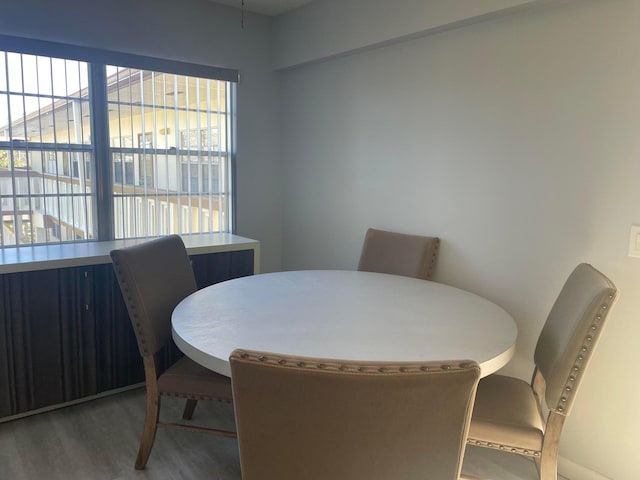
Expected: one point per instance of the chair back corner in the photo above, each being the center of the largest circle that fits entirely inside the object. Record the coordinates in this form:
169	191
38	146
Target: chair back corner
288	410
571	333
399	254
154	277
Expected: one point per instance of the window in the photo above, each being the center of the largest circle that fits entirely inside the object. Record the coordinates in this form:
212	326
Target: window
115	148
164	163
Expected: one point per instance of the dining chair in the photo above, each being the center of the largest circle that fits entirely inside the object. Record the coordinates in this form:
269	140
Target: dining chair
154	277
398	254
527	418
313	419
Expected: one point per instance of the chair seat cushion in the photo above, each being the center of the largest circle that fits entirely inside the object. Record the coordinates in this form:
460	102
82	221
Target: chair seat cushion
506	416
186	378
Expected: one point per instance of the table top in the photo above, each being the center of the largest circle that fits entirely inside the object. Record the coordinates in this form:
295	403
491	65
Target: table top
342	315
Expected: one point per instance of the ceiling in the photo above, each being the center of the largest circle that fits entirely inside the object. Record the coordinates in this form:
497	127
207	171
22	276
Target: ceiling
266	7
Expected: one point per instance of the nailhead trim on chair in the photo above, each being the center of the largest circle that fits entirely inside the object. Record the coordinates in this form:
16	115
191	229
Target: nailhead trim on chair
433	258
370	369
506	448
132	309
584	353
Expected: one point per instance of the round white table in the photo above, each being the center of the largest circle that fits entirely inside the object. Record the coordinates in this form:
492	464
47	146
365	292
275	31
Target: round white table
342	315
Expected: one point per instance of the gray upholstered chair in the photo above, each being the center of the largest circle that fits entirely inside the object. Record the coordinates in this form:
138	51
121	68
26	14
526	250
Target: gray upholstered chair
398	254
303	418
515	416
154	277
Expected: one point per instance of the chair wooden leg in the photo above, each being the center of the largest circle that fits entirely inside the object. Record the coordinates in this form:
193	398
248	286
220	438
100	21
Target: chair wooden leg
149	431
548	468
189	407
548	462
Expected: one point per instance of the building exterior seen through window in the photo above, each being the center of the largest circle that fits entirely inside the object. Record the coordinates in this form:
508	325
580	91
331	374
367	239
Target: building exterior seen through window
169	152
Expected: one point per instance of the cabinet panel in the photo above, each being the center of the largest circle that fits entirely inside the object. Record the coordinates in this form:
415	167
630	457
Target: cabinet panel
215	268
117	358
65	333
39	323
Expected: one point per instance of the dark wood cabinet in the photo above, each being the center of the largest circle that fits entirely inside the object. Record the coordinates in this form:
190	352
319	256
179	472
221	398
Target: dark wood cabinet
65	333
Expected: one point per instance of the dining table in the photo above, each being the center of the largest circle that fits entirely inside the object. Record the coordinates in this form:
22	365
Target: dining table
352	316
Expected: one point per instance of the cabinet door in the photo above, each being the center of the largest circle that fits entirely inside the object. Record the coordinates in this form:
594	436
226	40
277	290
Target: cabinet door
45	343
117	359
65	333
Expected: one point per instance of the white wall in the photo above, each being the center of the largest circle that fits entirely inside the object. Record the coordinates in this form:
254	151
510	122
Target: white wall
517	142
193	31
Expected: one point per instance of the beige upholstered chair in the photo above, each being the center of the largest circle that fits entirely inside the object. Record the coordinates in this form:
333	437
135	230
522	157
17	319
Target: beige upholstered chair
527	419
303	418
398	254
154	277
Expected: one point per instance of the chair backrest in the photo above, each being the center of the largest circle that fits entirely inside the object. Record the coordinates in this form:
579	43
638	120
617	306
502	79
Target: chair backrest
398	254
154	277
570	334
303	418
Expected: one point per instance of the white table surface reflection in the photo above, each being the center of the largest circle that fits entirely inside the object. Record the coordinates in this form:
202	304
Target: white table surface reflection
342	315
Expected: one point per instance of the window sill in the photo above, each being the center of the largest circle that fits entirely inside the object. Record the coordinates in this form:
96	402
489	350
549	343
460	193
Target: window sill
45	257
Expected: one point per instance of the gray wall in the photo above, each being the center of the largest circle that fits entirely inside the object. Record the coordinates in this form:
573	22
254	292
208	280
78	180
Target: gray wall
327	28
193	31
516	141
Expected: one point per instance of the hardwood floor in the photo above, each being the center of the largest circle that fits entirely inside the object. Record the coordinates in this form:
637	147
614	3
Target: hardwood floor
99	440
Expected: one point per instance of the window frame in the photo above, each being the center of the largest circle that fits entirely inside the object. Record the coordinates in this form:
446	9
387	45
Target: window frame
102	174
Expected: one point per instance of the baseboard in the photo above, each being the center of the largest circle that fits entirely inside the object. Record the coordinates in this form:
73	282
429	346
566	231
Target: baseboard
49	408
572	471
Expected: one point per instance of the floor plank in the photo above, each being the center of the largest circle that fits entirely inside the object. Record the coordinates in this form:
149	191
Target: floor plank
99	440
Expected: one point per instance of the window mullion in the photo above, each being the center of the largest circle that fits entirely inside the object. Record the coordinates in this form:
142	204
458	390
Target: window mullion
103	205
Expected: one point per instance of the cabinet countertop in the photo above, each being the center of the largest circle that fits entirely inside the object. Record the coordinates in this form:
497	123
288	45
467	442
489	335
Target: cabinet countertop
64	255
